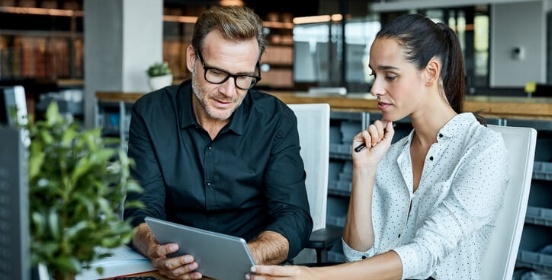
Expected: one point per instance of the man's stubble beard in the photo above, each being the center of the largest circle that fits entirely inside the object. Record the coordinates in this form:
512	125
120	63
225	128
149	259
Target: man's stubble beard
202	99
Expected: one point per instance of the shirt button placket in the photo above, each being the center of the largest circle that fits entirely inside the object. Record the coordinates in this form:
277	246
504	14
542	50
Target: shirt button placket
209	175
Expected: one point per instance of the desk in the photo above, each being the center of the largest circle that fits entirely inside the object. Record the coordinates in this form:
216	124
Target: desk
488	106
156	275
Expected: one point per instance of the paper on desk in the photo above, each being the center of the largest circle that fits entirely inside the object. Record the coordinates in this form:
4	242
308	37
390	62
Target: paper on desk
123	261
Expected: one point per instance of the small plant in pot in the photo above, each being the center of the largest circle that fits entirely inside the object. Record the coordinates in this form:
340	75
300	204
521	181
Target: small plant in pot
77	185
160	75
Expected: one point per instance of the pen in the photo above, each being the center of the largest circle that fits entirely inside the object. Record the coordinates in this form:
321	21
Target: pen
360	147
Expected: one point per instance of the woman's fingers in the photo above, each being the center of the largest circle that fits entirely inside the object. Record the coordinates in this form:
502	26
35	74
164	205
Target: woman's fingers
377	132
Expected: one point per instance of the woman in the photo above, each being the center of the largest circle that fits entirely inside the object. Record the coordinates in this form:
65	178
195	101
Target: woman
424	207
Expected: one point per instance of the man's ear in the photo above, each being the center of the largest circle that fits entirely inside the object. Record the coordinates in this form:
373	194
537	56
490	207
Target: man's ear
191	57
432	71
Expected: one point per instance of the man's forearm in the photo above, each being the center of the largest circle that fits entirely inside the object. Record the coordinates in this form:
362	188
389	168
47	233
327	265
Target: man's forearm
143	239
269	247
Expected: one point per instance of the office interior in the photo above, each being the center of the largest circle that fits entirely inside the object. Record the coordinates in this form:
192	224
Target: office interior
72	50
321	43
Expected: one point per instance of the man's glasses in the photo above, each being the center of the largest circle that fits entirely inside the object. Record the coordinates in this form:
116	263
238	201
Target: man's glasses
217	76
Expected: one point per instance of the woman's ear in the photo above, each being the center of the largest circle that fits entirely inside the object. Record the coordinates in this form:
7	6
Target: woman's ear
190	58
432	71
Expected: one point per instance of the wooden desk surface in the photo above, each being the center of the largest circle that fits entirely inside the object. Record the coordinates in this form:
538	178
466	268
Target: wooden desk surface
488	106
154	274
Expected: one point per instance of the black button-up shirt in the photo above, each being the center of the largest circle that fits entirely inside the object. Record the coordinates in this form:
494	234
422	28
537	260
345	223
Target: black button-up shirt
249	179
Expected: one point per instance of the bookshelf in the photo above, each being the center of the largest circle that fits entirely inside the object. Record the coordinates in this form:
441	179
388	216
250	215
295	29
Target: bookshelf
48	44
41	43
277	61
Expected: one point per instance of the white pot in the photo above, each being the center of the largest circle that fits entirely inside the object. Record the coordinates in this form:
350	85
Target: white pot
158	82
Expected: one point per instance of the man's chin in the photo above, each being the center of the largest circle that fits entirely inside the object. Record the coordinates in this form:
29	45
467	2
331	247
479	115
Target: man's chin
221	115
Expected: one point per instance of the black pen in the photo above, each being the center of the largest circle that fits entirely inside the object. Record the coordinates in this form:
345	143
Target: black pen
360	147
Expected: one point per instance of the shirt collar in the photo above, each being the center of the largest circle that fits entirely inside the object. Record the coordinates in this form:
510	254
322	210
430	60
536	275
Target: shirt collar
456	125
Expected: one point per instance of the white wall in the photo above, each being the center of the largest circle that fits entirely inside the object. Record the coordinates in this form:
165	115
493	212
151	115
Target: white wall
122	38
520	25
143	41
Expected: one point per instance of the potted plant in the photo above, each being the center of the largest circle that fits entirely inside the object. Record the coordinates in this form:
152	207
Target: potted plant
160	75
77	185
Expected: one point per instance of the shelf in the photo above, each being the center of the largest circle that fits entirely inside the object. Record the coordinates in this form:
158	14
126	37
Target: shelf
41	43
339	188
340	151
113	116
48	56
542	170
539	216
41	11
538	261
335	221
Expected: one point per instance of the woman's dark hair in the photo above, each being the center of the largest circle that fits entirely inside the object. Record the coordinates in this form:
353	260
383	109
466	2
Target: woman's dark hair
424	39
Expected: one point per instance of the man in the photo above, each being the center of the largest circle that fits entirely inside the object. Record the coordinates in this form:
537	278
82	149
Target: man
213	153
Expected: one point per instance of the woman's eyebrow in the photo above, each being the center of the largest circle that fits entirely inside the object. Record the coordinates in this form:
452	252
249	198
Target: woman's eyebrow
384	67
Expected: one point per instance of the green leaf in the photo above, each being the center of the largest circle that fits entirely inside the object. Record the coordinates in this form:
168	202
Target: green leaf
66	265
86	202
35	160
39	223
53	222
74	230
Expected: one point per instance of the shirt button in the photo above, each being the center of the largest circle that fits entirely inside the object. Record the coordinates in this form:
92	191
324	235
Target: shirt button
208	183
430	158
440	135
363	257
399	236
210	148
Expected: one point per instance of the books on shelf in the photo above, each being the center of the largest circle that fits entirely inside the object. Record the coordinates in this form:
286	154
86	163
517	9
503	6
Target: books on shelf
40	57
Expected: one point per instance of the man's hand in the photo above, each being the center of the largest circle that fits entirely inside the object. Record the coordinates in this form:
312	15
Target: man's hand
181	267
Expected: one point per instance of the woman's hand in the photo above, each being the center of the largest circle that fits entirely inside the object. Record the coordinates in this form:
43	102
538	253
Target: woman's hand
376	139
269	272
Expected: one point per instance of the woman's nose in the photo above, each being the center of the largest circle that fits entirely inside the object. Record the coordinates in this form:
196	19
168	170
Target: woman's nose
376	89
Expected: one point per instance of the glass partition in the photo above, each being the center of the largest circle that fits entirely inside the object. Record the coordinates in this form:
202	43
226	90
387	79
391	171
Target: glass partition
320	49
325	57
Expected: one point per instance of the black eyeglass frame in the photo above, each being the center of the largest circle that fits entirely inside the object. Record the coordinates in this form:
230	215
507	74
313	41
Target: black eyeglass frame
206	68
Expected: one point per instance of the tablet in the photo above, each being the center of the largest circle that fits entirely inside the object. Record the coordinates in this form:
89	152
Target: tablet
219	256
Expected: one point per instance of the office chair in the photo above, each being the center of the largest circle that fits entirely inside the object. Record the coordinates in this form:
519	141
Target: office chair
313	122
500	258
